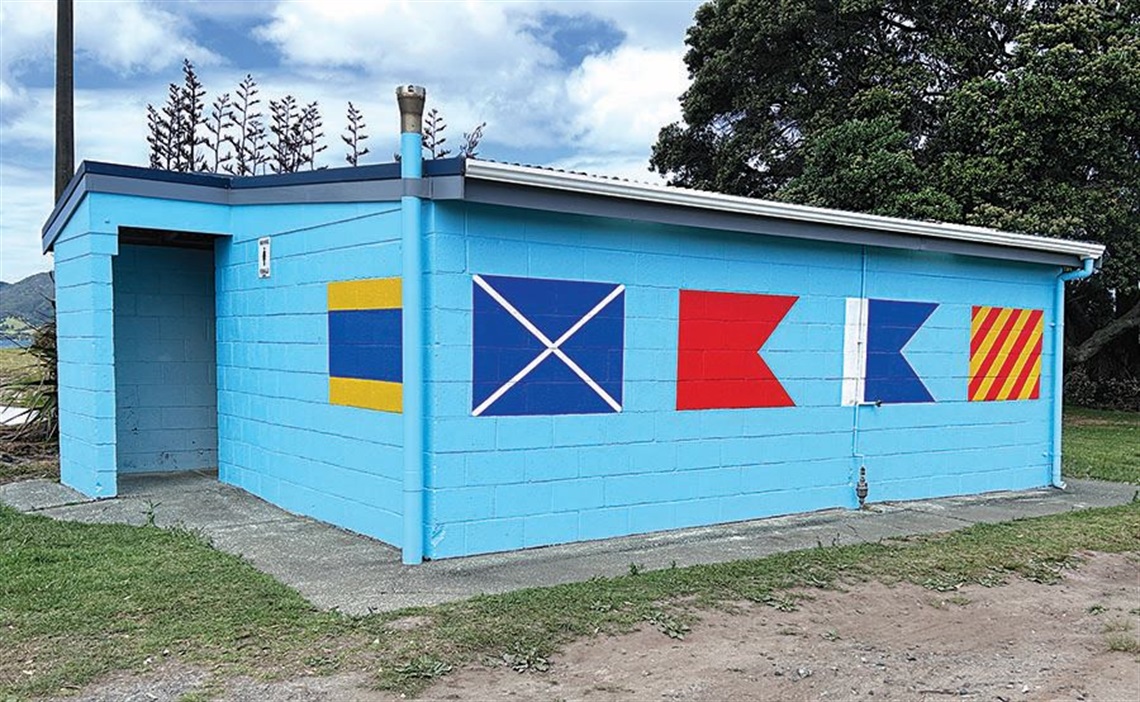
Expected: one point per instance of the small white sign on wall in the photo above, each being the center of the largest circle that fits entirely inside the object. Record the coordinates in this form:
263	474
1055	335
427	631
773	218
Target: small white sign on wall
263	257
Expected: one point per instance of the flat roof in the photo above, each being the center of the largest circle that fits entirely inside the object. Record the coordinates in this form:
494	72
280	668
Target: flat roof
531	187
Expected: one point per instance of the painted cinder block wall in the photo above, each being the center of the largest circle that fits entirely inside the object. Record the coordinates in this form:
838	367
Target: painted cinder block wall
498	482
166	412
506	482
84	326
279	436
85	250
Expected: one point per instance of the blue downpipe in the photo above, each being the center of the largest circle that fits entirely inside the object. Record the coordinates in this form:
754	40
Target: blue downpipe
414	349
1084	271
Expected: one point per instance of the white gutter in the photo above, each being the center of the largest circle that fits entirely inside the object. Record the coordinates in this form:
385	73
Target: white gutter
667	195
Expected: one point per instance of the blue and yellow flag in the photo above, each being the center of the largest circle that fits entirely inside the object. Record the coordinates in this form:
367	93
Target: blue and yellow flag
365	344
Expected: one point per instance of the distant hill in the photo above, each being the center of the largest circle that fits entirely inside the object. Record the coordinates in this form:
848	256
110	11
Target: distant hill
28	300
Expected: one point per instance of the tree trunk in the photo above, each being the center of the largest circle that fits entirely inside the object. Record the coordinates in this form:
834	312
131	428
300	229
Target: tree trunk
1105	334
64	96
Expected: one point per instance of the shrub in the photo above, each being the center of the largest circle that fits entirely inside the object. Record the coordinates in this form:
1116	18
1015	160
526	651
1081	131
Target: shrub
36	390
1117	393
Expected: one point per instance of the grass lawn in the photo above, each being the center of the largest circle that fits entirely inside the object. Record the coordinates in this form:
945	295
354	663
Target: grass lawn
79	600
22	457
14	364
1101	444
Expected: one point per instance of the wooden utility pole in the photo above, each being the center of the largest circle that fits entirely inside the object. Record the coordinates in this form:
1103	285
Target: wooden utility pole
64	96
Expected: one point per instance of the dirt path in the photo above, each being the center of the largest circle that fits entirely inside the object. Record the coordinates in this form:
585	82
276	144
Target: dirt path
1021	641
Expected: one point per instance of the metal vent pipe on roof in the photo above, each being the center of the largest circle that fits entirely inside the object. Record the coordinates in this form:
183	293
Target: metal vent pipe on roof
414	356
411	98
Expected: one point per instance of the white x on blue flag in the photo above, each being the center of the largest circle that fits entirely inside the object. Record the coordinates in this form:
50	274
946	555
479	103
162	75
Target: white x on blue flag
546	346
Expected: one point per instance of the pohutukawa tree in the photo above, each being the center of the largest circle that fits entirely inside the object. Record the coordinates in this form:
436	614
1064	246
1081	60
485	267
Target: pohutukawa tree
1017	114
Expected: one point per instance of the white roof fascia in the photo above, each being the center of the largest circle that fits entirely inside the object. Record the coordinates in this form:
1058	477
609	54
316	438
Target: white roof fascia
669	195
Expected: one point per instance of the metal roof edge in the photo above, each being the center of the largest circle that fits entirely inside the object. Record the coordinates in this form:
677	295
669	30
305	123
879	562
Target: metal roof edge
576	183
683	197
64	203
348	174
77	188
81	182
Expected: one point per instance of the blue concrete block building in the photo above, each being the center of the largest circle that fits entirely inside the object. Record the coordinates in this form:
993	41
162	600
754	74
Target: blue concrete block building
462	356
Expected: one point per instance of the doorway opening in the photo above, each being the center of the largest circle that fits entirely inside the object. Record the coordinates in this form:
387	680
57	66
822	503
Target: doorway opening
166	411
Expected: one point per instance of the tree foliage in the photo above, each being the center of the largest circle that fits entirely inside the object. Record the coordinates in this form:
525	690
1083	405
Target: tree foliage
1022	115
247	144
297	135
354	136
471	140
434	127
235	137
220	121
35	390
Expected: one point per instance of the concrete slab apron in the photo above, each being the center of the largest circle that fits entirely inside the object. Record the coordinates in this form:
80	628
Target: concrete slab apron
336	569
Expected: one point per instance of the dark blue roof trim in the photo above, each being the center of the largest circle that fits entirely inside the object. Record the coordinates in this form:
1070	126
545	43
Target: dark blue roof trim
480	182
155	174
64	201
432	168
67	201
383	171
445	167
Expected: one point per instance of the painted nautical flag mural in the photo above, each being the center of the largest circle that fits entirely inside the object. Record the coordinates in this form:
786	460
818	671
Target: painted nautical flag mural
365	347
874	366
719	338
1005	354
546	346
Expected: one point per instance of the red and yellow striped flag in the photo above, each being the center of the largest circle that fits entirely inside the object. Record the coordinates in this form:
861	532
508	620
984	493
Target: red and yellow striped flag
1005	354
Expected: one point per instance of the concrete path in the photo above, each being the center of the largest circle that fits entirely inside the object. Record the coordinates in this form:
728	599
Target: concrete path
340	570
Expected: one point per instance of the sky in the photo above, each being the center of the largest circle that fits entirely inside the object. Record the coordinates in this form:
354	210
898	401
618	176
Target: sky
572	84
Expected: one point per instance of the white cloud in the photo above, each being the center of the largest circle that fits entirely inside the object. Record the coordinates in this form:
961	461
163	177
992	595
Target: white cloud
464	40
125	36
25	201
621	99
134	36
615	166
110	125
27	31
660	24
476	59
480	61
